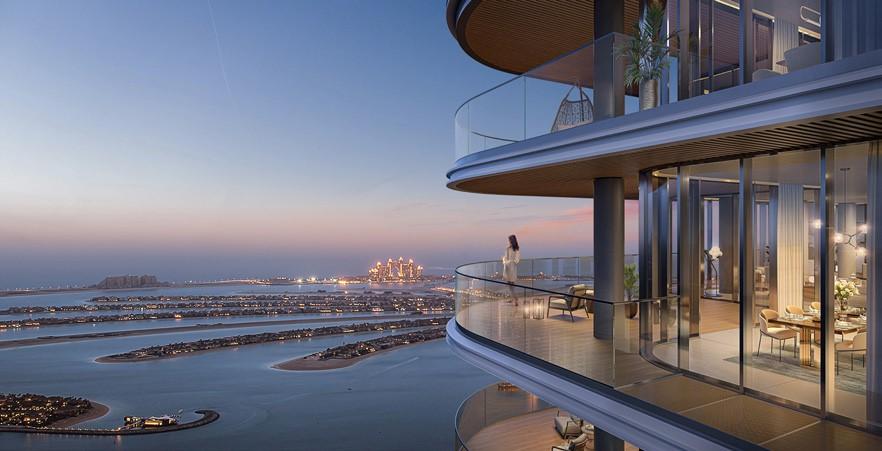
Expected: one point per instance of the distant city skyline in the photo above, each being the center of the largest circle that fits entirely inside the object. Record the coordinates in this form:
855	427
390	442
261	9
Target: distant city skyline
219	140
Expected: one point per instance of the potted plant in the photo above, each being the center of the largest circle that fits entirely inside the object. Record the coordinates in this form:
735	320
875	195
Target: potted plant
646	52
631	281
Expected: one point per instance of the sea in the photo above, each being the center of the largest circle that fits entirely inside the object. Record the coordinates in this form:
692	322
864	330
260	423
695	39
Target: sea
405	399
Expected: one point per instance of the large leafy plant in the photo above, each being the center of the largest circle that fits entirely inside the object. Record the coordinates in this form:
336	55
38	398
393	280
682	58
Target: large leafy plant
647	49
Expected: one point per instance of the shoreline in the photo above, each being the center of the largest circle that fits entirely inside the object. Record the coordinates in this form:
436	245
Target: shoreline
53	339
98	410
208	416
107	359
304	364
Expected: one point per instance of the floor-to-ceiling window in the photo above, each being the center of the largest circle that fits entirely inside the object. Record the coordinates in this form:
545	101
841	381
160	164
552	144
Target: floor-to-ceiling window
852	280
751	273
784	359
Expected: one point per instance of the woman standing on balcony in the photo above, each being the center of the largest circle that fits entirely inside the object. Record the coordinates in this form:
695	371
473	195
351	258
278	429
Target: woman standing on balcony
510	265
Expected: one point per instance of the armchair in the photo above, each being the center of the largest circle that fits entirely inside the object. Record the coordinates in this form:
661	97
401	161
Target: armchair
569	302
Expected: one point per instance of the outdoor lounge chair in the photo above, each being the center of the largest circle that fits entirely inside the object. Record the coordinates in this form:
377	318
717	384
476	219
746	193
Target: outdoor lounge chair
569	302
567	425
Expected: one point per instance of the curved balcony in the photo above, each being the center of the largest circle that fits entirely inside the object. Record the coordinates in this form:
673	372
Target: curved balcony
615	363
486	411
551	313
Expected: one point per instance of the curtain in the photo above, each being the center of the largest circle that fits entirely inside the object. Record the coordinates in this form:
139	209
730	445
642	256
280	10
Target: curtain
791	245
785	37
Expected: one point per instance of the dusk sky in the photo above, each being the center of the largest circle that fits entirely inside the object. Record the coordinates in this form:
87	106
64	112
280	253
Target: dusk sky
197	140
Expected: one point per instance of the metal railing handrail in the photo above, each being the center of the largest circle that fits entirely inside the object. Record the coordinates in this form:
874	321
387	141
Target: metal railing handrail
557	293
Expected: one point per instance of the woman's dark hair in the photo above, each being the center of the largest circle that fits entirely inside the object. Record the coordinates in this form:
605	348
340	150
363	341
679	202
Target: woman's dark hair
513	241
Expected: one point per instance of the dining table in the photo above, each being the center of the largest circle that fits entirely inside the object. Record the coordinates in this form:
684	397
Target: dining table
808	325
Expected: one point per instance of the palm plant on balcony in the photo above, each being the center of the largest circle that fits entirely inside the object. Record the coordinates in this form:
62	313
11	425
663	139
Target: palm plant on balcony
646	53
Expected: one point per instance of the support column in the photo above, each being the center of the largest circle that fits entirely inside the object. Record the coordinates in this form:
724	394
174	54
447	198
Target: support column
874	294
609	252
609	87
746	42
604	441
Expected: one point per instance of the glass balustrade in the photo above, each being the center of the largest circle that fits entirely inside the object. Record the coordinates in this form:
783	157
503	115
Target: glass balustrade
550	313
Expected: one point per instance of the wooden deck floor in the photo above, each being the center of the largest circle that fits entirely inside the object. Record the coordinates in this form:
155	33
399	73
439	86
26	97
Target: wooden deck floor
531	432
565	342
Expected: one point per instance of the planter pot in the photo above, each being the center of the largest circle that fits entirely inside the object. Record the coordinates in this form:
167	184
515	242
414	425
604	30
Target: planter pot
648	94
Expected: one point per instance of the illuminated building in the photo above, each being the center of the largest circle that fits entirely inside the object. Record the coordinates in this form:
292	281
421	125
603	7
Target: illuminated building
396	271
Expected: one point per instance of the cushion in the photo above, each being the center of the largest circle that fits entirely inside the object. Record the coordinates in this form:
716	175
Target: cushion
580	439
558	303
567	425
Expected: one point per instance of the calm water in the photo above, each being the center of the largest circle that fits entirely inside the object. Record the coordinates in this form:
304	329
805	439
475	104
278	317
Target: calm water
401	400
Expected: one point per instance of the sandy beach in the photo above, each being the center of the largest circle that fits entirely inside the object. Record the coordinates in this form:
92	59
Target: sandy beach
306	364
98	410
169	330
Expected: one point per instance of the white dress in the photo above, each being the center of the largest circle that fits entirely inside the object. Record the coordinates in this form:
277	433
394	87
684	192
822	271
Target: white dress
510	264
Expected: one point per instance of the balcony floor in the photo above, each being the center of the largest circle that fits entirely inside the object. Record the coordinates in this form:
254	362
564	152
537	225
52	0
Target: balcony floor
529	432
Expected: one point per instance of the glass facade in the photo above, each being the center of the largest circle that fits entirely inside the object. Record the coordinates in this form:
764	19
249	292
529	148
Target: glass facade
775	286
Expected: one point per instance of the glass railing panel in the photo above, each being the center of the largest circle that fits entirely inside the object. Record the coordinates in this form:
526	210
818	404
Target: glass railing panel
461	131
496	118
550	313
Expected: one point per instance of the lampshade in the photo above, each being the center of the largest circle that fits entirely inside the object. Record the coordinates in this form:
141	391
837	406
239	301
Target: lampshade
715	252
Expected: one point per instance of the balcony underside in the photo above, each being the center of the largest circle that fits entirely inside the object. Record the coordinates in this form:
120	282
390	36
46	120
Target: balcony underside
516	36
829	104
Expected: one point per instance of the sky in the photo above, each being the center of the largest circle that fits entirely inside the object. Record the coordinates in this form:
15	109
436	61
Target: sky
199	140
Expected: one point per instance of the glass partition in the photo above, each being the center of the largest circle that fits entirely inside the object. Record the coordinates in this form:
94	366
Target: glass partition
853	280
784	333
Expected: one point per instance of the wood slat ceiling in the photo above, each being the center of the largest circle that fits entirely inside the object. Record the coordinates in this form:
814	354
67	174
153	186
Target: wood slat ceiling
518	35
575	179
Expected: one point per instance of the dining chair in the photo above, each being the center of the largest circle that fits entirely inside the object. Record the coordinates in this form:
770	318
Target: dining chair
858	345
774	333
795	310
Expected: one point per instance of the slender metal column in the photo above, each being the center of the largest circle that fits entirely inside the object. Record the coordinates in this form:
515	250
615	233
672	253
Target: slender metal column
745	262
828	353
648	256
874	295
609	252
662	232
687	275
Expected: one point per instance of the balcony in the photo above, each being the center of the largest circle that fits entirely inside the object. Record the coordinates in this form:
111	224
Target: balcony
552	130
616	364
502	417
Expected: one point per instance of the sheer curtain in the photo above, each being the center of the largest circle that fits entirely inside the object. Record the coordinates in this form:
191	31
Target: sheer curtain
791	245
785	37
